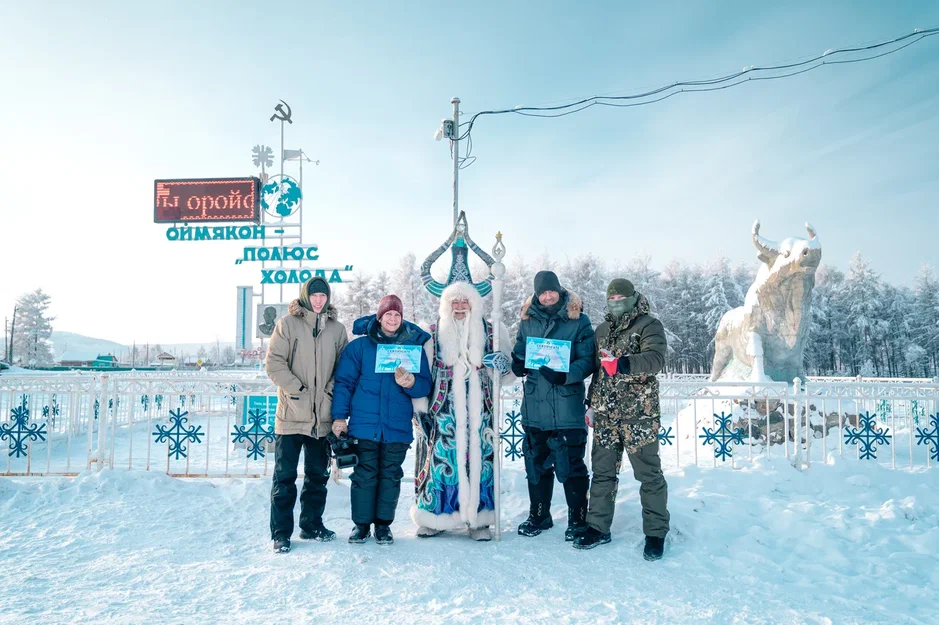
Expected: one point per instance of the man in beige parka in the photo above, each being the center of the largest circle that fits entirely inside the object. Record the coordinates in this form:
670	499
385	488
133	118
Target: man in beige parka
301	360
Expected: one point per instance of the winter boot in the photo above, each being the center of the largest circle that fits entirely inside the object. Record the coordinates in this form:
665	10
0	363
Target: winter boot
383	535
360	534
318	533
281	545
575	490
481	534
655	547
534	525
576	524
427	532
591	538
539	513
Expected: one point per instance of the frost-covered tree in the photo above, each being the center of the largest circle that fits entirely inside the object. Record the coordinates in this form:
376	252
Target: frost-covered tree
359	300
381	285
822	346
925	316
721	293
519	278
228	355
588	278
406	283
863	297
683	314
32	344
645	279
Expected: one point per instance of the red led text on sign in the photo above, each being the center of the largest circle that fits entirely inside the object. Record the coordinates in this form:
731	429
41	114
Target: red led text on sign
222	199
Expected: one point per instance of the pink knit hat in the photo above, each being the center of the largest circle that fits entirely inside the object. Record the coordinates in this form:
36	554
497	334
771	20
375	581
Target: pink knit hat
389	303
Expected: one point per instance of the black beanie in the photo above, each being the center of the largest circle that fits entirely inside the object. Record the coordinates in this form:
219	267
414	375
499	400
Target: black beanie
546	281
318	286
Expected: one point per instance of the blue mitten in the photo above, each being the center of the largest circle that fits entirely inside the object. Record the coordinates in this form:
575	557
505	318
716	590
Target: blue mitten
498	361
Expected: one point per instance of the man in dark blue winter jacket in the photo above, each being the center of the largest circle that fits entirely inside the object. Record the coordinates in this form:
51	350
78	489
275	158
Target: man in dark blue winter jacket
376	409
553	407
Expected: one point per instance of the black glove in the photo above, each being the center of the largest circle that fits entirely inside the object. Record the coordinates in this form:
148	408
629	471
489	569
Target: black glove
553	377
622	365
518	368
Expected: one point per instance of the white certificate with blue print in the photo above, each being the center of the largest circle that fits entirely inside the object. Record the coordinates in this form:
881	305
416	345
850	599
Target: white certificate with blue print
390	357
548	353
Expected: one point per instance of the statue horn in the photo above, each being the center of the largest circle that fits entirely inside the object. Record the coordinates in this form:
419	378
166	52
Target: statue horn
767	249
812	232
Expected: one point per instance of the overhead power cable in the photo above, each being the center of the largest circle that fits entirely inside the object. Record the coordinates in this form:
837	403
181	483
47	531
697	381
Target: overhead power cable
752	73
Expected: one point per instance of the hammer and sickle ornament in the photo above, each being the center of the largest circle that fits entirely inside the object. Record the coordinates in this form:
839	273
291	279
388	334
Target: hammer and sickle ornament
281	114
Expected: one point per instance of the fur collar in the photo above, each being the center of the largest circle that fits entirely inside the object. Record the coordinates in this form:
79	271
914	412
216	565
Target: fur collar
297	310
448	336
575	306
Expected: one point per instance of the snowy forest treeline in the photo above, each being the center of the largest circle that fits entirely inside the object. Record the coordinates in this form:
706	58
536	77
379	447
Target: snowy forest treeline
860	324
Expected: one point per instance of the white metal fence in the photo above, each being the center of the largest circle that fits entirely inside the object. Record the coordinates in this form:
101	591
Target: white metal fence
220	424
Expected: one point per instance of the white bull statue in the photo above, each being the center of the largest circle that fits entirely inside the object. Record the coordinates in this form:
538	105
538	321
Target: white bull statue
764	339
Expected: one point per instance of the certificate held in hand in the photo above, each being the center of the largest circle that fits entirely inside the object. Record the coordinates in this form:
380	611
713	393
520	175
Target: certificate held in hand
548	353
390	357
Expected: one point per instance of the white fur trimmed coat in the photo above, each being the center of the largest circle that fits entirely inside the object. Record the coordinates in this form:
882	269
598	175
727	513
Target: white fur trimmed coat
454	471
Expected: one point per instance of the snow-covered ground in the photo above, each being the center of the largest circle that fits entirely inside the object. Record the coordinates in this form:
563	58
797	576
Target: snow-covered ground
850	542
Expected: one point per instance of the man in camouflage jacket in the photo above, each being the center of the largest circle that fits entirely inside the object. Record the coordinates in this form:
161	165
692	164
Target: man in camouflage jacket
624	405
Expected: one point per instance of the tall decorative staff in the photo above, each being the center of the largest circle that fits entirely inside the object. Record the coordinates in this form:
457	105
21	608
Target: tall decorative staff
460	244
498	282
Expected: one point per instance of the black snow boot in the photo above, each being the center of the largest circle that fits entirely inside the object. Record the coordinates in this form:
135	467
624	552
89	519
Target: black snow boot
576	524
318	533
655	547
539	515
575	489
383	535
360	534
591	538
281	545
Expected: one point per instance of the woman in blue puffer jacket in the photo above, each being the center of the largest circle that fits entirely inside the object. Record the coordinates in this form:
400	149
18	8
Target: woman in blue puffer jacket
376	409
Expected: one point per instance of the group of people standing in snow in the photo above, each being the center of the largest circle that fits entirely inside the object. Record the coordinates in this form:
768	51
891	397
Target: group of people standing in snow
327	385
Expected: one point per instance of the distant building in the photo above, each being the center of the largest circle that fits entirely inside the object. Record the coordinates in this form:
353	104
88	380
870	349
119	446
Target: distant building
106	361
95	360
78	359
165	360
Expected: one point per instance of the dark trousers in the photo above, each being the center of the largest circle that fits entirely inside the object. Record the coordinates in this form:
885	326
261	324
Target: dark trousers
557	452
376	482
284	489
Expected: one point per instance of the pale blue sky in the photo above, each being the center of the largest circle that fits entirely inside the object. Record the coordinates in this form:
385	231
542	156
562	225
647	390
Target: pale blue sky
100	99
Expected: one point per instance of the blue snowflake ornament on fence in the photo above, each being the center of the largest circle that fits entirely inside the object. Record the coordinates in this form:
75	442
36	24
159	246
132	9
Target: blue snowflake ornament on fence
20	431
722	437
255	434
49	413
178	434
665	436
867	436
930	437
513	435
